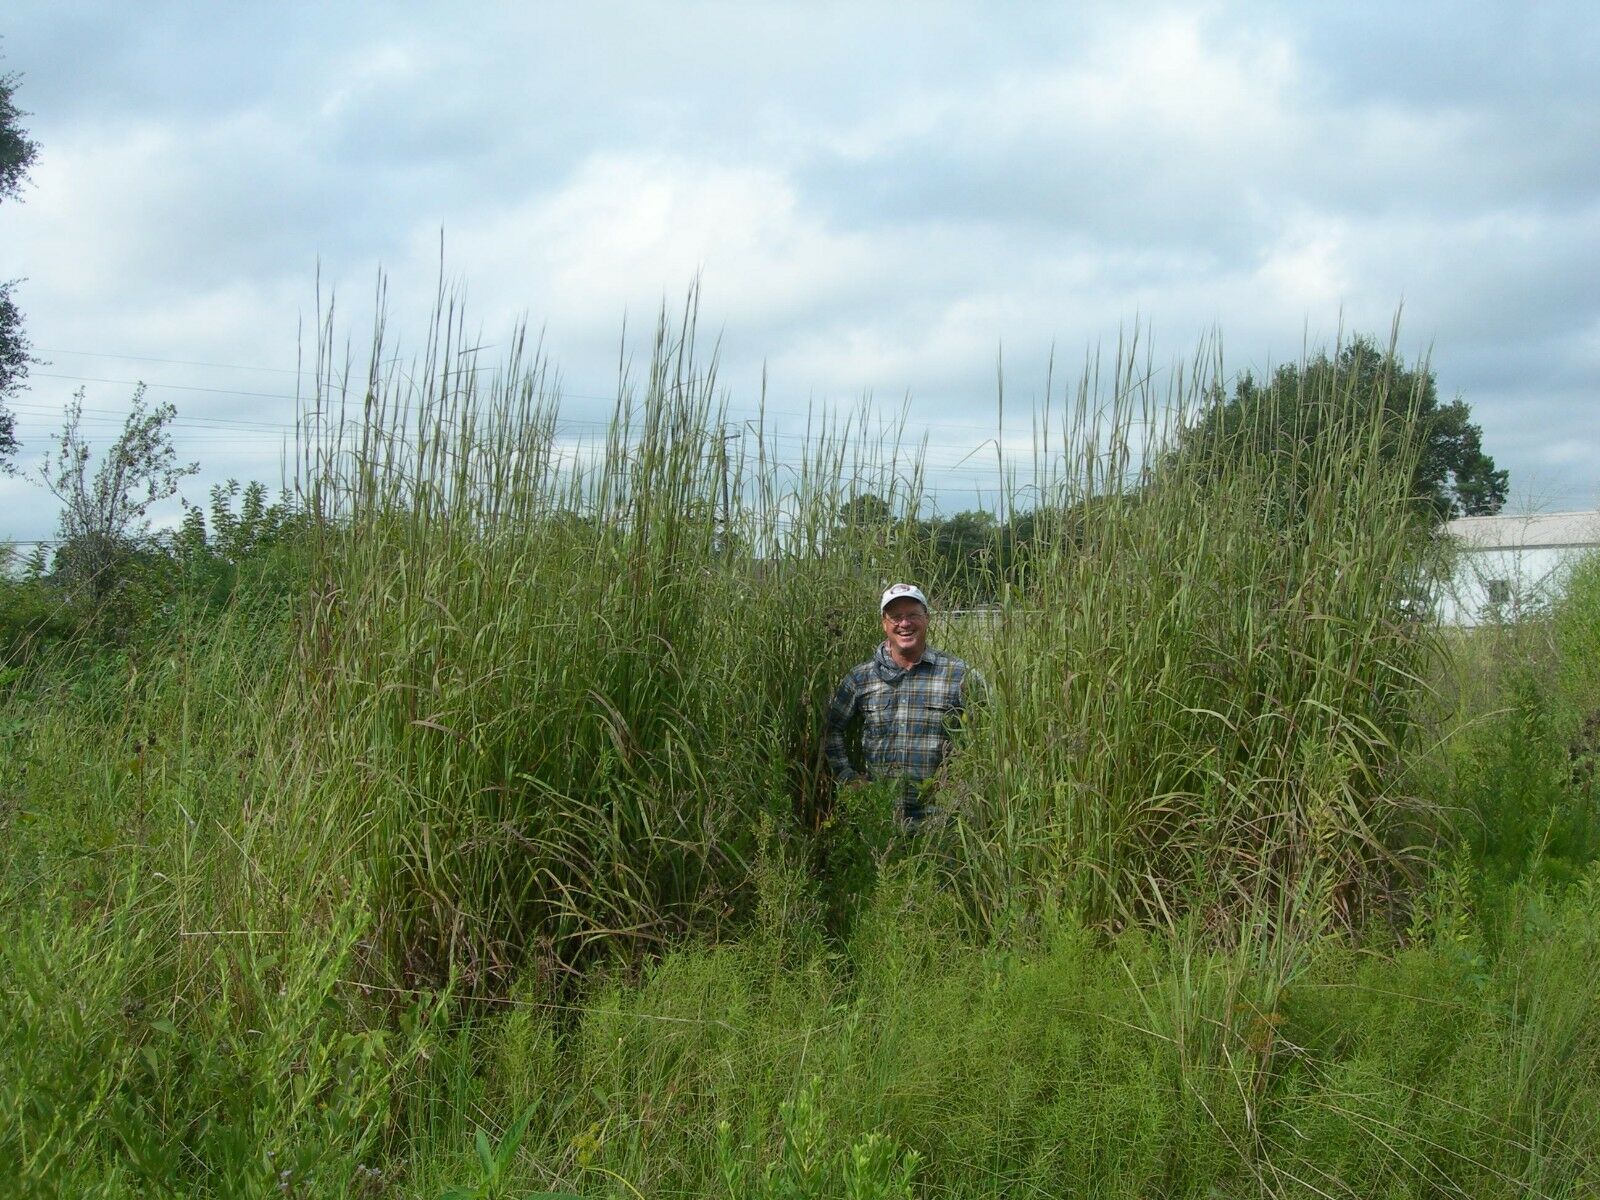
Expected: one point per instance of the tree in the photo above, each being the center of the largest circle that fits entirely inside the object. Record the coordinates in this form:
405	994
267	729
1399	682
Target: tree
968	553
246	549
1453	477
865	510
17	152
105	519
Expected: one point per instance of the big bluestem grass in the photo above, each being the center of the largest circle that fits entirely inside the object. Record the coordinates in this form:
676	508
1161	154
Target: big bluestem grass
567	681
545	729
1206	683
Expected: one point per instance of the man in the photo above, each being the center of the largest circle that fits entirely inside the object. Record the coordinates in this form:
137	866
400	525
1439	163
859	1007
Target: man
908	699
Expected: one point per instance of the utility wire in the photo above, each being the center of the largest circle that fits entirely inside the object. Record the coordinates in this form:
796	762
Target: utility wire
176	362
217	428
980	424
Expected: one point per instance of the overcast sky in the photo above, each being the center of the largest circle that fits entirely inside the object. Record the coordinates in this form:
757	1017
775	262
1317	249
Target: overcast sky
876	197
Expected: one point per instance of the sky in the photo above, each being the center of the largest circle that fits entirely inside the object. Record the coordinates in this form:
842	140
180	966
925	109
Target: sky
878	200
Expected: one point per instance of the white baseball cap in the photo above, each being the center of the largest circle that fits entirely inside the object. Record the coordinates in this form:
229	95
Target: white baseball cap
896	591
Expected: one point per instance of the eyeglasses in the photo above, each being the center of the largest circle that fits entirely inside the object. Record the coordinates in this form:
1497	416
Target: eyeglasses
906	618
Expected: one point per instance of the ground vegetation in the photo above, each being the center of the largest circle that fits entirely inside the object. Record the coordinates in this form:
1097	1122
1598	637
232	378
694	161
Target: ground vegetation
456	825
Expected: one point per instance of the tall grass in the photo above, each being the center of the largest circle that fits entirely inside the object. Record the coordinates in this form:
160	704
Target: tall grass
520	810
571	678
1207	685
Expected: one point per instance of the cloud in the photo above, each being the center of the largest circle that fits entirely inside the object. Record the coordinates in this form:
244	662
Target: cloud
626	229
873	203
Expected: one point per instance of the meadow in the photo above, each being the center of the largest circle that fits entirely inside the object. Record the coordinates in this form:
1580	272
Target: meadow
460	827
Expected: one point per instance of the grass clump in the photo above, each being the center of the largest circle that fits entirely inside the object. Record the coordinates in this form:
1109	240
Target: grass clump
479	842
1207	677
570	683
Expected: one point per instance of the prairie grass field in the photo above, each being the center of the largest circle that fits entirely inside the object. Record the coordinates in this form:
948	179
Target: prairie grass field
460	825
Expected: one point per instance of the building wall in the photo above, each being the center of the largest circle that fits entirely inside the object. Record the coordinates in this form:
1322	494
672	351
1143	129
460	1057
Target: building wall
1503	584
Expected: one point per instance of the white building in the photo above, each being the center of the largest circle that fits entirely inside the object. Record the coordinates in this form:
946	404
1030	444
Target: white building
1508	566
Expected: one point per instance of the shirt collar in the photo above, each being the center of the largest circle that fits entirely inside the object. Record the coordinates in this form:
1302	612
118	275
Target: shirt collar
889	669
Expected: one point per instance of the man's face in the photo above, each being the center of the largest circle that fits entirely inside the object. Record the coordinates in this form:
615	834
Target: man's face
905	625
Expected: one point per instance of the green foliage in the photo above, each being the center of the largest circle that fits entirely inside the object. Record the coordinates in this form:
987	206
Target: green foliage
464	830
241	549
494	1162
185	1014
1521	769
104	525
856	841
1575	626
14	359
17	149
17	153
253	557
1450	474
32	617
1073	1064
806	1167
141	1054
968	557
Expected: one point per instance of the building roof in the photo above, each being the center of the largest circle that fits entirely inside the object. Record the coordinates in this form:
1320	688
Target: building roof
1563	530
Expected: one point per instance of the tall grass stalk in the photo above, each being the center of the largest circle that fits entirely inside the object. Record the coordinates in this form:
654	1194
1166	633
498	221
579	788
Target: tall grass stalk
1206	682
570	677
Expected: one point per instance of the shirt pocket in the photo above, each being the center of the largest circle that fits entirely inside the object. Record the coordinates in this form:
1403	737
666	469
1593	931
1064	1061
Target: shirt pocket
877	713
938	714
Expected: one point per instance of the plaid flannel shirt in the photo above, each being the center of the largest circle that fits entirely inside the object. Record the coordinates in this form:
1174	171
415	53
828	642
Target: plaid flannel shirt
906	715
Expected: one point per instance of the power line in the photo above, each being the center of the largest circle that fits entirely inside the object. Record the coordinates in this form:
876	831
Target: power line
176	362
218	426
105	414
560	392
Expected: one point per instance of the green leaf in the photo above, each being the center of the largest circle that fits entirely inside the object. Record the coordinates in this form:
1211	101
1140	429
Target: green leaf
485	1154
513	1137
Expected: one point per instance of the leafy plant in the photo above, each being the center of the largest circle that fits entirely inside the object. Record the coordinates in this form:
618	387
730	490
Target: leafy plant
807	1167
105	517
494	1163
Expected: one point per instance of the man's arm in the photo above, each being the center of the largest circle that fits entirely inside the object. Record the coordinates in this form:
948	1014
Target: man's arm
842	710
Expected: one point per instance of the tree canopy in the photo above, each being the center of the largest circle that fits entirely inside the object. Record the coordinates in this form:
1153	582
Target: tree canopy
1452	476
17	152
17	149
